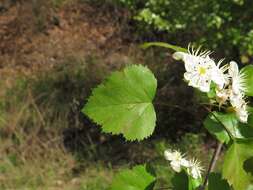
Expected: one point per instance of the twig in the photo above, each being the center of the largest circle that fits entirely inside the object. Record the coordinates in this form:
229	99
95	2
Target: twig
212	164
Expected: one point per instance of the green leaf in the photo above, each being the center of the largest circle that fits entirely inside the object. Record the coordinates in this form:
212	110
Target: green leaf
215	182
233	168
123	103
136	179
215	127
247	71
182	181
163	44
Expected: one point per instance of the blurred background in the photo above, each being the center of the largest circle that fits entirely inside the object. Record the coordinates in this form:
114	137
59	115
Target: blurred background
54	52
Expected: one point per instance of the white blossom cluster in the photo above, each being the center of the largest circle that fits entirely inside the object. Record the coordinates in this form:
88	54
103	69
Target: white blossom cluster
179	162
202	71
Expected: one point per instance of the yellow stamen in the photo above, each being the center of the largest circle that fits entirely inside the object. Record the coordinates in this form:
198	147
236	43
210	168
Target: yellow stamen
202	70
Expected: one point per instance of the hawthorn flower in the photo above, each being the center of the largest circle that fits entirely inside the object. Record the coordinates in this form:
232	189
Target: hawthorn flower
198	66
195	169
218	75
242	113
201	70
176	159
237	97
177	162
237	78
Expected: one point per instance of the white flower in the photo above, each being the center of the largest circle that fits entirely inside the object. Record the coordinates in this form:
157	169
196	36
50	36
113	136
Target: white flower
195	169
242	113
238	84
177	162
218	75
201	69
198	67
176	159
240	106
236	100
237	97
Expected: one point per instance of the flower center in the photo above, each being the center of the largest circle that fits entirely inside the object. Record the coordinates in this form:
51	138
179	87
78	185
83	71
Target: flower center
202	70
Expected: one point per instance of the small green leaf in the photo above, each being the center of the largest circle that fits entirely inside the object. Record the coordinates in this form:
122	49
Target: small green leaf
233	168
136	179
123	103
247	71
215	182
163	44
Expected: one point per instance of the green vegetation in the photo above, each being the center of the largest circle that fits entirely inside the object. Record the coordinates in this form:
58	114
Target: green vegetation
221	24
131	97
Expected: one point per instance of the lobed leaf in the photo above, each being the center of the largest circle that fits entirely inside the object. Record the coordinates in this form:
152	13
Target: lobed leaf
233	168
123	103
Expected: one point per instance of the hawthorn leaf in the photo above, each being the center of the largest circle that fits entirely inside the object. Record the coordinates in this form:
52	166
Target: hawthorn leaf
122	104
137	178
233	168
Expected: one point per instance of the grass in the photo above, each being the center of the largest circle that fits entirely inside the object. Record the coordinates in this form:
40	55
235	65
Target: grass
35	111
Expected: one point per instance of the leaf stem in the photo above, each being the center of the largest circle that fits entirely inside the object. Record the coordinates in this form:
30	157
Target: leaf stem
212	164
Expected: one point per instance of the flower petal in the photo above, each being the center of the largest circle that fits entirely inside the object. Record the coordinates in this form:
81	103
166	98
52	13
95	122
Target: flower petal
176	166
178	55
233	69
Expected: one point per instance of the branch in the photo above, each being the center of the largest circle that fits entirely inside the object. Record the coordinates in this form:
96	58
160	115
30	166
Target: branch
212	164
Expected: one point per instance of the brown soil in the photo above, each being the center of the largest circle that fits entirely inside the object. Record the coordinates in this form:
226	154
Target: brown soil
35	36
